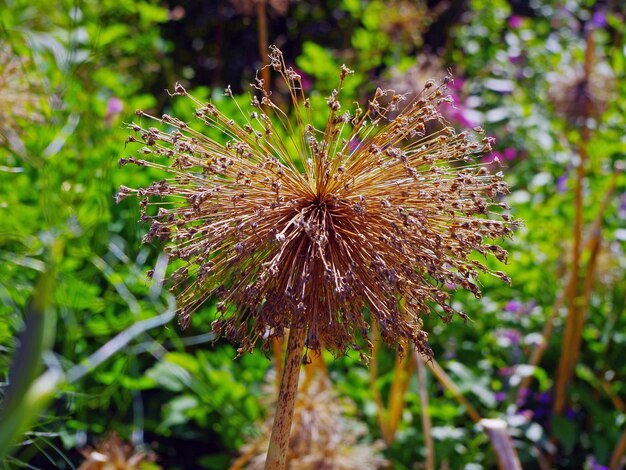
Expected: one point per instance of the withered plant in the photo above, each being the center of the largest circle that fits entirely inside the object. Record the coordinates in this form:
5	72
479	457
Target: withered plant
324	433
114	454
320	230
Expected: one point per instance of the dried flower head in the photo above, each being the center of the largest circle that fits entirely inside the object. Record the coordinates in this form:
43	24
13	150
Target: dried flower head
569	89
324	433
288	225
249	7
114	454
410	81
406	21
18	101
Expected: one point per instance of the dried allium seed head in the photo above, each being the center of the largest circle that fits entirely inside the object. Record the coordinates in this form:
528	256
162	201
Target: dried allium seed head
427	69
290	226
113	453
569	89
249	7
324	435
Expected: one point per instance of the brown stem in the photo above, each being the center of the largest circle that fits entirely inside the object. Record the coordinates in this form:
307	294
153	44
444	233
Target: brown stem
568	355
263	45
277	348
445	380
501	442
618	453
382	414
426	424
279	440
548	328
399	385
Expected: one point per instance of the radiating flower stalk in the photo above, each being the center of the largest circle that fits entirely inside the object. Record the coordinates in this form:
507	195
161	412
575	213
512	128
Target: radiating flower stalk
321	231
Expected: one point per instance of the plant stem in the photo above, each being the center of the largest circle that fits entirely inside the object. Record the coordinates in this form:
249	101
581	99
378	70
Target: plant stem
496	429
618	453
263	45
548	328
426	424
445	380
571	342
279	440
277	348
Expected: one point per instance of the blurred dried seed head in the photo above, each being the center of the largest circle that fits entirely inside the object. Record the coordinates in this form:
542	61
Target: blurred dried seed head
18	98
114	454
288	225
406	21
411	81
248	7
323	433
569	89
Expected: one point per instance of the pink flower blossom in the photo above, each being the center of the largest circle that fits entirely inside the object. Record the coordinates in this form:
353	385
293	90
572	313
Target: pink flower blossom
515	21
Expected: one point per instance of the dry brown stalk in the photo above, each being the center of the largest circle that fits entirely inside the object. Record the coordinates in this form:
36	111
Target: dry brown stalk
279	440
548	328
502	444
445	380
389	416
426	423
403	368
277	350
261	6
617	458
569	351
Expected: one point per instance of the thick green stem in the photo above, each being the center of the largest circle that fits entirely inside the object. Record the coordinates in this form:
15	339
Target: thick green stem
279	440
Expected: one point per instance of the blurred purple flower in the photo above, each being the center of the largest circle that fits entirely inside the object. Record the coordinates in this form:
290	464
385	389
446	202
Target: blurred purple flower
114	107
511	335
622	207
514	306
570	413
524	394
509	153
515	21
599	19
500	396
545	398
463	118
561	183
594	464
492	157
456	85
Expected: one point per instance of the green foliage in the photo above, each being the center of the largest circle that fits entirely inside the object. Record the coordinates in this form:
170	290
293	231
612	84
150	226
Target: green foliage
193	398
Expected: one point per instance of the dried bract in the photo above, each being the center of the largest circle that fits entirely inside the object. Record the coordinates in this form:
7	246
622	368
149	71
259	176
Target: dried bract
326	229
